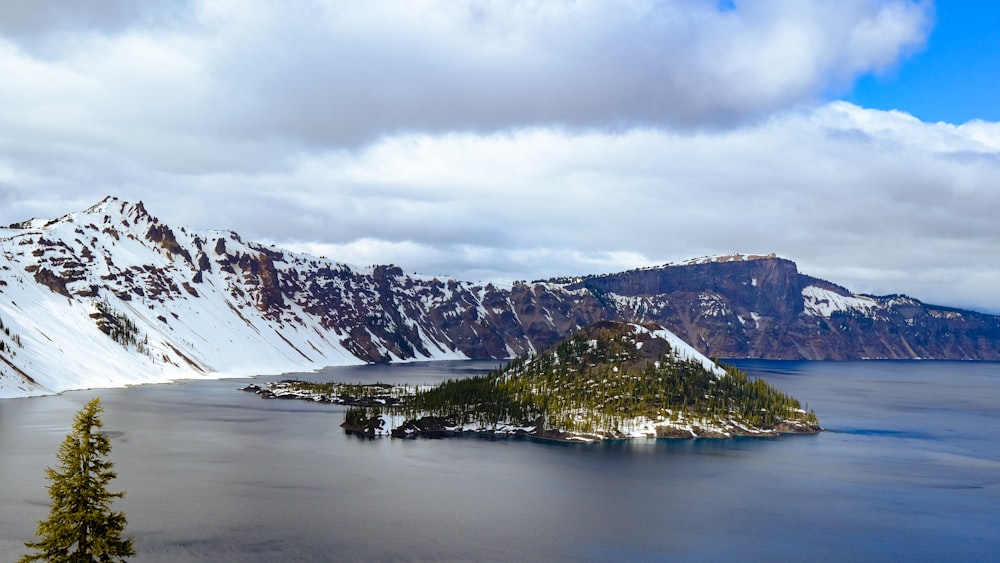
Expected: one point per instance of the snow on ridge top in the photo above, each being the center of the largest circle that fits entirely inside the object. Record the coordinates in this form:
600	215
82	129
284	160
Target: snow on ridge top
111	208
823	302
683	350
722	258
102	206
33	224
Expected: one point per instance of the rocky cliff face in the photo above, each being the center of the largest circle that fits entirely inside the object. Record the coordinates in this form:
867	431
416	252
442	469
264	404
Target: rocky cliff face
762	307
176	303
198	303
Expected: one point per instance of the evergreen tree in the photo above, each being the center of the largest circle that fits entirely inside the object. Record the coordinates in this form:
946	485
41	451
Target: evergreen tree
81	526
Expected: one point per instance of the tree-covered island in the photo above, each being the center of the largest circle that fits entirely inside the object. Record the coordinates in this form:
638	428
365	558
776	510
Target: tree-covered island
609	380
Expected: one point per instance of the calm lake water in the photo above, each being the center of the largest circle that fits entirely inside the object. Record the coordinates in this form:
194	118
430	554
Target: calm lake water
909	469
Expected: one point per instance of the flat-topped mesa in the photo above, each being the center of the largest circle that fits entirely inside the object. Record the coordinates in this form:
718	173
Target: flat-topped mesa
609	380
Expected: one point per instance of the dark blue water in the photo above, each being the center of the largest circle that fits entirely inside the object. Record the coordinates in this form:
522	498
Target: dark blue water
909	469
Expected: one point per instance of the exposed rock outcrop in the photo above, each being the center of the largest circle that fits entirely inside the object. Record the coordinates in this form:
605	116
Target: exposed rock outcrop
206	298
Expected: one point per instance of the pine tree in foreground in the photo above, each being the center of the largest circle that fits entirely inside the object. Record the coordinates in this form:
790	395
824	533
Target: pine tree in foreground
81	526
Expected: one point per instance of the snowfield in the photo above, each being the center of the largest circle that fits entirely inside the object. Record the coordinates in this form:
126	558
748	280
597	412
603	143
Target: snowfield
823	302
54	273
684	351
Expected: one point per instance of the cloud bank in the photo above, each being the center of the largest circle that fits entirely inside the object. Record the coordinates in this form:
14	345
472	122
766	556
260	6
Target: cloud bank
507	140
322	74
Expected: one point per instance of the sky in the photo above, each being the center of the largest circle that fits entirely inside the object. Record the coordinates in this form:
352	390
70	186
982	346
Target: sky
508	140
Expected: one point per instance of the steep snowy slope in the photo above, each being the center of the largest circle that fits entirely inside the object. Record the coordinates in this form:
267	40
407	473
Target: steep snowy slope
112	296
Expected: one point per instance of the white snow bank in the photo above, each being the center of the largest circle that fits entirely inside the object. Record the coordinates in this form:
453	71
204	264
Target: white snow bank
823	302
683	350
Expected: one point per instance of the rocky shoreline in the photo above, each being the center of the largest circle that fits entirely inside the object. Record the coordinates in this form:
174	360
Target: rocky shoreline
443	427
374	394
383	396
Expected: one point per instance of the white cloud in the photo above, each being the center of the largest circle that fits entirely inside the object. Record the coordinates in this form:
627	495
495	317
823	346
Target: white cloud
507	140
50	28
261	75
350	72
874	200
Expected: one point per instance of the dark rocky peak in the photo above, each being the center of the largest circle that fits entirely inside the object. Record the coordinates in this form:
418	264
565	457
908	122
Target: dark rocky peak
164	236
272	253
386	271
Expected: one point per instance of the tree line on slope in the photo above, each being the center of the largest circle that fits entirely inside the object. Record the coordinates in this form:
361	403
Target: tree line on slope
120	327
592	384
14	338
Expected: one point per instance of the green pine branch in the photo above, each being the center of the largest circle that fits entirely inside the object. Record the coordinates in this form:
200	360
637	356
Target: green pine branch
82	526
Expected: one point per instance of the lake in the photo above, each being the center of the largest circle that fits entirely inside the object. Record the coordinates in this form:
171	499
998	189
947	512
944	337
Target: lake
909	469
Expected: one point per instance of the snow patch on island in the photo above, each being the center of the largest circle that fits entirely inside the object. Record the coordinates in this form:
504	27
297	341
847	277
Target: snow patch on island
682	349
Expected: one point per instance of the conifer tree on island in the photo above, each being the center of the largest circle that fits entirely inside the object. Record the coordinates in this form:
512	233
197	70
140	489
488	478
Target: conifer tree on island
81	526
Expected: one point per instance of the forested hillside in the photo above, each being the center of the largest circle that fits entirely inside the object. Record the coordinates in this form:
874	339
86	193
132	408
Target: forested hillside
607	380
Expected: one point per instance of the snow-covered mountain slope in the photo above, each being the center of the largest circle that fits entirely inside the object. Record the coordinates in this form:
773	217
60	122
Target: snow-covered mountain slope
112	296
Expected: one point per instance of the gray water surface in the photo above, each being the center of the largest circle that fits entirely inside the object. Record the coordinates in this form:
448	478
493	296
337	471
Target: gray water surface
909	469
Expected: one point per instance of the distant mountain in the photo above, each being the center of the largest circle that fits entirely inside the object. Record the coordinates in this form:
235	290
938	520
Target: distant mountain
112	296
762	307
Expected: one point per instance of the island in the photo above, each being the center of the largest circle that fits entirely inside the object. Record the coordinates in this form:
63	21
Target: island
607	381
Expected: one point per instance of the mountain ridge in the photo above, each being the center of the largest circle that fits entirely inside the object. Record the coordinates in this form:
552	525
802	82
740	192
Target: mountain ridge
765	308
111	296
